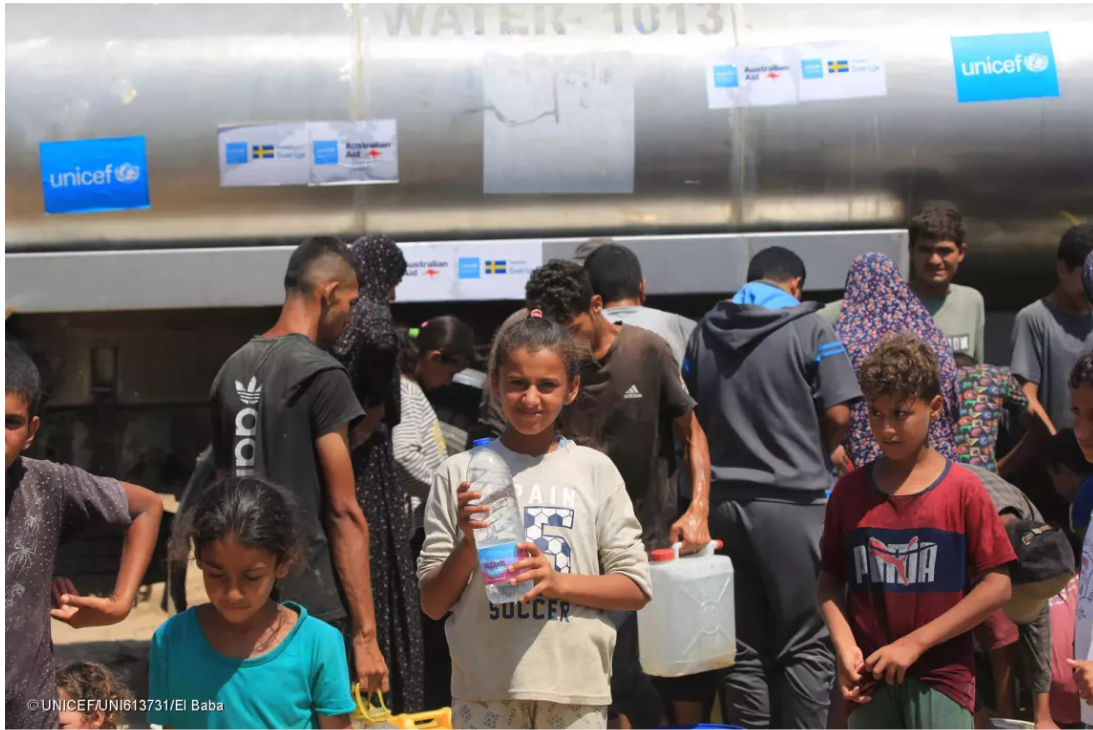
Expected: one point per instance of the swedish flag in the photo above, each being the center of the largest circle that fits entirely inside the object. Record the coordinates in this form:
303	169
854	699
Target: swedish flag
261	151
838	67
496	267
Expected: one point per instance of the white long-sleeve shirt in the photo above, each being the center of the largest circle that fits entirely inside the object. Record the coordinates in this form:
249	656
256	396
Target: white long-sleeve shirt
419	448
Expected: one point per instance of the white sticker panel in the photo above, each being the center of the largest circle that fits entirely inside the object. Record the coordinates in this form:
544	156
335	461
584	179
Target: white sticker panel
265	154
348	153
558	124
464	270
840	70
743	77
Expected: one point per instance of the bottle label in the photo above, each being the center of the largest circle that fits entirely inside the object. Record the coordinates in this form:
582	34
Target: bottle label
495	561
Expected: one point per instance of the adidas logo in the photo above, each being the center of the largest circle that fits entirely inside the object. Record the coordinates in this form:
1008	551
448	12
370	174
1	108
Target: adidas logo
249	394
632	393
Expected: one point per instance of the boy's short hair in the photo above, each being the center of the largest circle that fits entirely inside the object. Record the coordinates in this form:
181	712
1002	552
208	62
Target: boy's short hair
614	272
307	255
21	377
902	367
937	223
561	289
1075	245
1063	450
1082	372
776	264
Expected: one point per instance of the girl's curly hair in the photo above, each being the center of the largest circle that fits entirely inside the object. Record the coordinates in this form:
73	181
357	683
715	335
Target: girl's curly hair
92	681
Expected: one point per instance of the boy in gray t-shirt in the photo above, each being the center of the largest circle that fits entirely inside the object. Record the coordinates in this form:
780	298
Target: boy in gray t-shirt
1052	333
615	273
937	249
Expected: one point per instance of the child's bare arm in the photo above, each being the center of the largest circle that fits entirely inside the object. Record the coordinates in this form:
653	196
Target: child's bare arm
1083	678
443	586
145	509
891	662
831	593
335	722
611	592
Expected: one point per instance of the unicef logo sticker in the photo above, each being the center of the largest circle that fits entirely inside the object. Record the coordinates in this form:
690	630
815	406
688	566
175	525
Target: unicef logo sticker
128	173
1036	62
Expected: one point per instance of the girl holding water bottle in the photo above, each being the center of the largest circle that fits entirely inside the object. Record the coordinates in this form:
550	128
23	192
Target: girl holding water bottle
543	660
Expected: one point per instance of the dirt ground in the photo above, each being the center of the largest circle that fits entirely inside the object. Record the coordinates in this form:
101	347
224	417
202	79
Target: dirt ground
124	647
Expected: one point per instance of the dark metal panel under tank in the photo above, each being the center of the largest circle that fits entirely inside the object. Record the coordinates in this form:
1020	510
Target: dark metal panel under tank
1018	169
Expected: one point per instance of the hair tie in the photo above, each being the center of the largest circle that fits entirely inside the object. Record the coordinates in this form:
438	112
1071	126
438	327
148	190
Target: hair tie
536	314
413	332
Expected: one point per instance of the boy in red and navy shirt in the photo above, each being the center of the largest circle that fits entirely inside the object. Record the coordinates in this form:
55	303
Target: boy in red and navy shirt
905	538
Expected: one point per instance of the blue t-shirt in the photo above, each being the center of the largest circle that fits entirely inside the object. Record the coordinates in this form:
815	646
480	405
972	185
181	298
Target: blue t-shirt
304	676
1083	505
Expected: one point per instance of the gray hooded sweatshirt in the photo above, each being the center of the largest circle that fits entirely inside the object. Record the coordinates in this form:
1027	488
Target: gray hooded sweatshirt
763	378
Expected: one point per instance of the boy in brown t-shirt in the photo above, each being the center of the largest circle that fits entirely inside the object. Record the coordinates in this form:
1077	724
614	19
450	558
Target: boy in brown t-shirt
631	396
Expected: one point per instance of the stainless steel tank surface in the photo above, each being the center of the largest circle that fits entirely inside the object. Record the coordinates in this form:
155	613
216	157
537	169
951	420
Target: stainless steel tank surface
1020	170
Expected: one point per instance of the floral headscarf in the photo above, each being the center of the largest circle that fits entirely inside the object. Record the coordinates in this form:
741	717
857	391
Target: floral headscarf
878	303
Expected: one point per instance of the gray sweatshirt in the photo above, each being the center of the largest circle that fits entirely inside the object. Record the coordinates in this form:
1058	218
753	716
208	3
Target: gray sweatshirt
575	507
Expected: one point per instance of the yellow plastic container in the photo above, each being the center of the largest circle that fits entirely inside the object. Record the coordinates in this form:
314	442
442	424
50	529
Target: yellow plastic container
370	716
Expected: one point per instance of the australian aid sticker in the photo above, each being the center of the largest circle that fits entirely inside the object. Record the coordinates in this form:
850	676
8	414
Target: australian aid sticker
750	77
495	561
352	153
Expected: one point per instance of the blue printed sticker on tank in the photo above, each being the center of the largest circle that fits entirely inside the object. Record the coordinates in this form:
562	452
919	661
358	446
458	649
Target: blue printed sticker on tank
94	175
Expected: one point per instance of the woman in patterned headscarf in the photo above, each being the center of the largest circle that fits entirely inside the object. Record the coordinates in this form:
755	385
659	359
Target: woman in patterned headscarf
369	349
879	302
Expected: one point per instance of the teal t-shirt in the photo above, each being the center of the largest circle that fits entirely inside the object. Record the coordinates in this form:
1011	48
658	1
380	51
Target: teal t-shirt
191	685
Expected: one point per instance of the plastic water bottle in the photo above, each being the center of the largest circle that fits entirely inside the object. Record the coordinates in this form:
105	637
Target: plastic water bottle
496	543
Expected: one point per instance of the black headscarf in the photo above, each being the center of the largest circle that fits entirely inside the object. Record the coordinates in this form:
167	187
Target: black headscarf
369	342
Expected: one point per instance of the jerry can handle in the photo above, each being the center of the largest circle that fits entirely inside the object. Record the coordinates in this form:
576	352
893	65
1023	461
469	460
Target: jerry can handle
368	711
433	719
711	547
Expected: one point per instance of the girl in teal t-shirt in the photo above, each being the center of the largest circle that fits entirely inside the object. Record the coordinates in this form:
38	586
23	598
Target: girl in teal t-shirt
243	660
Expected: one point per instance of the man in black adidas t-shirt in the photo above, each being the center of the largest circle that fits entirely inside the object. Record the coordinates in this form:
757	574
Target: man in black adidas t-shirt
281	409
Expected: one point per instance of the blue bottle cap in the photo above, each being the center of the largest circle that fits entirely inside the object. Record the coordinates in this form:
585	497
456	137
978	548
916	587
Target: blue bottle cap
480	442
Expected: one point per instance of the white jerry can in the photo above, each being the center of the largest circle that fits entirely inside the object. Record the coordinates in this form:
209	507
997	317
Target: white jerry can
690	625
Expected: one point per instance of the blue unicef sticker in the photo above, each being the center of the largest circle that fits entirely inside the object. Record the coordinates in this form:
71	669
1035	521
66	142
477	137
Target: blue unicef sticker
469	267
326	152
1002	67
724	77
235	153
812	68
94	175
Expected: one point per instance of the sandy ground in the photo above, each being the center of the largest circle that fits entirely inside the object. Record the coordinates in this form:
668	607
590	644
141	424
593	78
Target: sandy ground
124	647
